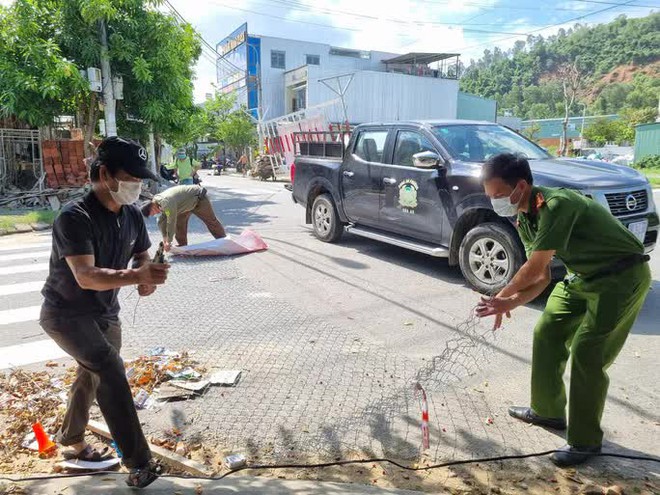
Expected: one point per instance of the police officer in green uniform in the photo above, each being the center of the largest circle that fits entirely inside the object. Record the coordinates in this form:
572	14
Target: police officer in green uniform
587	317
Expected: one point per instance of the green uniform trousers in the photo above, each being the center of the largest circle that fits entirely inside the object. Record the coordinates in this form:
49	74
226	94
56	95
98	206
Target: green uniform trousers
589	321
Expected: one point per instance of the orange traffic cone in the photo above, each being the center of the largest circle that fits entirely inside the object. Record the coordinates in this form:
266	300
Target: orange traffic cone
46	445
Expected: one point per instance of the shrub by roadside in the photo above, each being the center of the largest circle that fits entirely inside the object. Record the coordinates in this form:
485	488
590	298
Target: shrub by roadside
12	221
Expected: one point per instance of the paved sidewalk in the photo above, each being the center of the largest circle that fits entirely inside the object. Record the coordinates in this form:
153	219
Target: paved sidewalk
111	485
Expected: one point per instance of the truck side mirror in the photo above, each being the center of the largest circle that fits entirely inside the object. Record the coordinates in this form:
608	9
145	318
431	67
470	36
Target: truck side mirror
427	159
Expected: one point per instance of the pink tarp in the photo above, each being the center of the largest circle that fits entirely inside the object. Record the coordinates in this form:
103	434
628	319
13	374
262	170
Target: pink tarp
248	242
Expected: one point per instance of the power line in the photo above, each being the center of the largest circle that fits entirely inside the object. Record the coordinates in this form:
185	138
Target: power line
217	58
589	14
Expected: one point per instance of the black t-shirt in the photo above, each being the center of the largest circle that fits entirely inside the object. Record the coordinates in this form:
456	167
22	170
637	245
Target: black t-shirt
87	227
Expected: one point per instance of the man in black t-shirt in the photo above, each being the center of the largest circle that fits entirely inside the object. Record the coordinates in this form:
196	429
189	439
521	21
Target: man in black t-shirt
94	239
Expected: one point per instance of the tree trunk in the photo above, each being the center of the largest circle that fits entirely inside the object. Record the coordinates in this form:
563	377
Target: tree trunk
90	114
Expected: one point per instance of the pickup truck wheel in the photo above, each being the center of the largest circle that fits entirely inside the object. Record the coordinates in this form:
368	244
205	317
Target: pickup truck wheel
325	220
489	257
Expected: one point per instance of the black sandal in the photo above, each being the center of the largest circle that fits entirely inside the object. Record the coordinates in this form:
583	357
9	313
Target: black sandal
88	454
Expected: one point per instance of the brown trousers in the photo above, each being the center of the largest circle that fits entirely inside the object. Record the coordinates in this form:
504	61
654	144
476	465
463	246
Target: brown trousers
203	211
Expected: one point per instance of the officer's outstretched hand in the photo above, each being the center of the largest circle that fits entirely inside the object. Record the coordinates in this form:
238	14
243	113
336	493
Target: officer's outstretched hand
495	306
152	273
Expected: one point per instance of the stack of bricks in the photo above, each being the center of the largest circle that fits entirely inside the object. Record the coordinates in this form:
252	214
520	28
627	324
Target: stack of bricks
64	163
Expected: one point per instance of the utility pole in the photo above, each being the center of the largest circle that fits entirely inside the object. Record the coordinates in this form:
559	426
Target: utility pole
106	75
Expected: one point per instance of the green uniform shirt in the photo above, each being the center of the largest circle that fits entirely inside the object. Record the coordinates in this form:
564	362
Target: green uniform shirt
586	237
183	168
173	202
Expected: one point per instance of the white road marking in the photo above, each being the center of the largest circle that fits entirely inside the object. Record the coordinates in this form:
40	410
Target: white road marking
248	192
32	352
34	267
24	288
16	247
19	315
24	256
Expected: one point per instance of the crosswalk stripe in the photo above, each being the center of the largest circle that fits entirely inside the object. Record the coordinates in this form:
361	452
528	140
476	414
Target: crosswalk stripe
22	247
34	267
19	315
24	256
11	289
32	352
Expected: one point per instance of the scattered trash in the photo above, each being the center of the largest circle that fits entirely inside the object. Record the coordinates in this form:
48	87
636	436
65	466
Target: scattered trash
190	385
77	464
141	399
489	421
30	442
225	377
167	392
235	461
148	372
28	397
185	374
408	324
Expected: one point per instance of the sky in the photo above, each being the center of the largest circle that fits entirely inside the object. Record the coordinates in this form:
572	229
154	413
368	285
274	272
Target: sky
467	27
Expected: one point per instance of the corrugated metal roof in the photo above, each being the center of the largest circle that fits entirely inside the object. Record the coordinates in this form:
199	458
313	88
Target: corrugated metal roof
420	58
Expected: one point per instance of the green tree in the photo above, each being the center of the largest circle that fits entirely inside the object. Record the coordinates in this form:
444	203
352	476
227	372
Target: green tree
37	80
238	130
151	51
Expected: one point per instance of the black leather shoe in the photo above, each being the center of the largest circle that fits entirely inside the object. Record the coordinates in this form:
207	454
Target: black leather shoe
528	416
572	456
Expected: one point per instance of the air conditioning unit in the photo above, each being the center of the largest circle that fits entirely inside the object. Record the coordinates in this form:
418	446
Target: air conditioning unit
118	87
95	79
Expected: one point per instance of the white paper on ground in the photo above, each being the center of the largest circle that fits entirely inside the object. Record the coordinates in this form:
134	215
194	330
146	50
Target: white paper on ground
90	466
225	377
248	242
192	386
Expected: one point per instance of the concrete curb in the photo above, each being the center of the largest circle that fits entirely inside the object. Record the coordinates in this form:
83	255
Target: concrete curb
23	228
245	485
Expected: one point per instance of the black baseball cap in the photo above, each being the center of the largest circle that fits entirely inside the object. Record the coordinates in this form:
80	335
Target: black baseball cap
119	153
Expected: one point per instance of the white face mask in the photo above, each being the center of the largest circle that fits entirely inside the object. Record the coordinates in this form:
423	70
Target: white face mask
504	207
128	192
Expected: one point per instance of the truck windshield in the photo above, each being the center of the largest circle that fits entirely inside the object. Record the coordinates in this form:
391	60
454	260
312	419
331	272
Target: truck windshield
477	143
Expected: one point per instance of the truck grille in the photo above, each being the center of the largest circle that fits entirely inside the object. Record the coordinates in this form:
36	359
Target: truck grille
627	203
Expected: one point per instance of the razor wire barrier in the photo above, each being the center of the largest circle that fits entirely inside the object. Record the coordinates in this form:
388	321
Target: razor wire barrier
308	389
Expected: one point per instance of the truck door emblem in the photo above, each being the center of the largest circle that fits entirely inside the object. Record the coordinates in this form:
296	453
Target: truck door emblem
408	195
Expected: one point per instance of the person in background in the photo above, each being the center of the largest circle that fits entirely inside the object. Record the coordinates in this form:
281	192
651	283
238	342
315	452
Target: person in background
175	206
242	166
184	168
94	238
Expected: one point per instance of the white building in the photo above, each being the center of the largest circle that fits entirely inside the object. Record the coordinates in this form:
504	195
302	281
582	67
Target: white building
273	77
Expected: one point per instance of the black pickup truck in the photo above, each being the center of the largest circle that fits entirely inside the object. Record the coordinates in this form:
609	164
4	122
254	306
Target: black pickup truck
417	185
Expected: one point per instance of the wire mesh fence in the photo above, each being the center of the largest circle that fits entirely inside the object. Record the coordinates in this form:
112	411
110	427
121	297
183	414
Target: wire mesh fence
310	390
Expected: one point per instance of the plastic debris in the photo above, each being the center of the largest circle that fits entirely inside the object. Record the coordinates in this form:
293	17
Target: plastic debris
235	461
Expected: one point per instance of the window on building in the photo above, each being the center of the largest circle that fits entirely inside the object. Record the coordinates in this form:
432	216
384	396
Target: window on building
277	59
370	145
313	60
408	144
